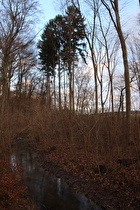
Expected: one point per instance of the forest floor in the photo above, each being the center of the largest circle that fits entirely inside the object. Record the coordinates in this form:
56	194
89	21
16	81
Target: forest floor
91	153
115	186
13	192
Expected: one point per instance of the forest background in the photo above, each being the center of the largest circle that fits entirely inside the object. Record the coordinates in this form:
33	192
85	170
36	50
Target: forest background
74	84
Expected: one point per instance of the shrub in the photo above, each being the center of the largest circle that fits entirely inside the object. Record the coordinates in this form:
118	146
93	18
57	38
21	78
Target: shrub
12	190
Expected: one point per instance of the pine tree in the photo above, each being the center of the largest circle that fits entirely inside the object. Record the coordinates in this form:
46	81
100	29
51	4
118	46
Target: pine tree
61	44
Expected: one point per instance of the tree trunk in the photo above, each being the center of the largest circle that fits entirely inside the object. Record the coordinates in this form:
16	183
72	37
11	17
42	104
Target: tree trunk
48	91
95	73
54	93
126	72
117	25
5	94
65	96
59	80
73	88
5	89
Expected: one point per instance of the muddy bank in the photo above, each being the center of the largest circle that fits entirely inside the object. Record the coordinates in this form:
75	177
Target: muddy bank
117	188
46	188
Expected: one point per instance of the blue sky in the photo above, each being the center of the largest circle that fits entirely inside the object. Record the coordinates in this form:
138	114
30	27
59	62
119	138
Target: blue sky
49	11
48	8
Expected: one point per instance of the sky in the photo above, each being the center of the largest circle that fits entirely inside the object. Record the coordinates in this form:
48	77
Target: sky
49	10
129	16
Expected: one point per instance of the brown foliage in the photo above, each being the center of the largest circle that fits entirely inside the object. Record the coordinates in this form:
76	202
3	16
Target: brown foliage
12	191
82	145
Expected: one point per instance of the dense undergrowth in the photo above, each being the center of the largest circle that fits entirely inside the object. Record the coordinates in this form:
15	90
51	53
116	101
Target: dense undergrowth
13	194
76	142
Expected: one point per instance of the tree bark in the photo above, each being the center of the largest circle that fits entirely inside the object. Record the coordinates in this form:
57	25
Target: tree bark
117	25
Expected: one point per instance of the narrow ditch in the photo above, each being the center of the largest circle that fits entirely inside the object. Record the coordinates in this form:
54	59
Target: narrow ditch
47	191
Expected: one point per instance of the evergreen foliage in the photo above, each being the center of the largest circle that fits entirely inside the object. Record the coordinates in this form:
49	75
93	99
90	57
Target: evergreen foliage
62	39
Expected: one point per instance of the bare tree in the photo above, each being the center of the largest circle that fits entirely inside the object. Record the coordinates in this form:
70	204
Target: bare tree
110	48
25	61
84	95
100	45
135	62
91	39
15	35
114	13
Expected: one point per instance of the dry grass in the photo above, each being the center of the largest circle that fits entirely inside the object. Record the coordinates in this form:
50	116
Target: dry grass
103	134
76	140
13	194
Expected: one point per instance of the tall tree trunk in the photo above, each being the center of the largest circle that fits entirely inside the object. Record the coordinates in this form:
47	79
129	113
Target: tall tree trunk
54	93
5	89
48	91
59	81
73	87
117	25
65	92
111	94
70	91
5	95
91	46
102	102
126	68
96	87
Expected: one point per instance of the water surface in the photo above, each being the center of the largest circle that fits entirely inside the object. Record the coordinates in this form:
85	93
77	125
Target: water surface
47	191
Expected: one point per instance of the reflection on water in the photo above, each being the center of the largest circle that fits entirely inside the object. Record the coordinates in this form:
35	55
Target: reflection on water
47	191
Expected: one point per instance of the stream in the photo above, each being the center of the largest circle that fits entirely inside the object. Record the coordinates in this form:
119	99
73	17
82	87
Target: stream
47	191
